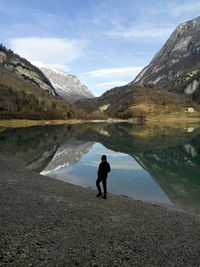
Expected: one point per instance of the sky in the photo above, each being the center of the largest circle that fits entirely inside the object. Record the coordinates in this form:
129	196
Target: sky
105	43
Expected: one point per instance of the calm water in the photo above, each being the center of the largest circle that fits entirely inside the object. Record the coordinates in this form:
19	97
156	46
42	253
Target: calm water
154	164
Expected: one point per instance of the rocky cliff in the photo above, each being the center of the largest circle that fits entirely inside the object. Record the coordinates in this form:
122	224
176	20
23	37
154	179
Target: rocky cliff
176	67
23	69
26	93
67	86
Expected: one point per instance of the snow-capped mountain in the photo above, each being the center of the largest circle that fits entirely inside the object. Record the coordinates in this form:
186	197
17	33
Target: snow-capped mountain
67	86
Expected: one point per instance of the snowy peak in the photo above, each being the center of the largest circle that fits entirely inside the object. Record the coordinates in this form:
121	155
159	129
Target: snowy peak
67	86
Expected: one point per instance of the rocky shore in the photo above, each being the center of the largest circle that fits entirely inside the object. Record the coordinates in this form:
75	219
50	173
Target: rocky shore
46	222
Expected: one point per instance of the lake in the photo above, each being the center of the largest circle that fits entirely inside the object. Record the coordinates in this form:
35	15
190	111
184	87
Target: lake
154	164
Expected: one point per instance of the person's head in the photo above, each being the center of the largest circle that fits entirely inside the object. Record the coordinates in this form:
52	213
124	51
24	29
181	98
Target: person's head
103	157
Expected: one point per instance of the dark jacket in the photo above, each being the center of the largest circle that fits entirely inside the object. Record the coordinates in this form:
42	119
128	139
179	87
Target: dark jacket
104	169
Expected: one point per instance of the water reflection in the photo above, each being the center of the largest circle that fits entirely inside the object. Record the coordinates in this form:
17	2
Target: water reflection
156	164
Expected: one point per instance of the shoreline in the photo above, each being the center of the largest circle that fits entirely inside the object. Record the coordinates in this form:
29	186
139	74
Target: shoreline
16	123
47	222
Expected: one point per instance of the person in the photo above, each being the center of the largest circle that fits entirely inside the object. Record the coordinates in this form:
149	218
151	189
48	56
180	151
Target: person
104	169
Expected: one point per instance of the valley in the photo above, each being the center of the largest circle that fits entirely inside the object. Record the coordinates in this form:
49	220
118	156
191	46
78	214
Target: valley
85	81
166	90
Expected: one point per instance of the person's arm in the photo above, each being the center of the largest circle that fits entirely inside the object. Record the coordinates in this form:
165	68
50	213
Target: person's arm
98	172
109	167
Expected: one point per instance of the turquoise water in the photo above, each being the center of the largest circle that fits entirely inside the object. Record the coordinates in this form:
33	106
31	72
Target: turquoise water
160	165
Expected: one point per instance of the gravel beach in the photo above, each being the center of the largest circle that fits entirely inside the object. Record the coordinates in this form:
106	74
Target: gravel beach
46	222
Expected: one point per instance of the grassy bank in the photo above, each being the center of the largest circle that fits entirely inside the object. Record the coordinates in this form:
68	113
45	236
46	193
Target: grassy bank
163	120
27	123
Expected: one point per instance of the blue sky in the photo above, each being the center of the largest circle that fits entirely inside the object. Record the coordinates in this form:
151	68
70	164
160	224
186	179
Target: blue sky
105	43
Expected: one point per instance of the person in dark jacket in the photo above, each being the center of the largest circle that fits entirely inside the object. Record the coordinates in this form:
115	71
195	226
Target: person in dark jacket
104	169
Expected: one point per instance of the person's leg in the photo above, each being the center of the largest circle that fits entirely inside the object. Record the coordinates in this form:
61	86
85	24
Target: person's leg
98	186
104	182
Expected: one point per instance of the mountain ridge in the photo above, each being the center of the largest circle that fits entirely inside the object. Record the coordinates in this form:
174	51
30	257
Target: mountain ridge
176	66
26	93
164	87
24	69
158	92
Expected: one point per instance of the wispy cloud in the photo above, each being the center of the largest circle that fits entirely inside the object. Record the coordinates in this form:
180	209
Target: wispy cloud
123	164
127	165
177	9
144	32
112	83
49	51
115	72
111	154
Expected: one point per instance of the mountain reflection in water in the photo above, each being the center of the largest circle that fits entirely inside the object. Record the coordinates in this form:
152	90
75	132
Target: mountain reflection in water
151	163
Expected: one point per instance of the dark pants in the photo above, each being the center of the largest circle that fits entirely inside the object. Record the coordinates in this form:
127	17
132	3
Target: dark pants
104	182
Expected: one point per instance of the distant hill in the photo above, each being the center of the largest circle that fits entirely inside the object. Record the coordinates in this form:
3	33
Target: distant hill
67	86
176	67
142	103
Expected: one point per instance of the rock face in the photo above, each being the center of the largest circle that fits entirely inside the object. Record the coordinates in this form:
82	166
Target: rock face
26	93
22	68
176	67
67	86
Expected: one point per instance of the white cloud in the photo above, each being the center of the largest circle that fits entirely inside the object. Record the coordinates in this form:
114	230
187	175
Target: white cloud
145	32
126	165
115	72
112	83
111	154
49	51
123	164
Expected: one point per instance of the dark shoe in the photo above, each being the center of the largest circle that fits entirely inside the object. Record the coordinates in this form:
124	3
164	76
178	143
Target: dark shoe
99	195
105	197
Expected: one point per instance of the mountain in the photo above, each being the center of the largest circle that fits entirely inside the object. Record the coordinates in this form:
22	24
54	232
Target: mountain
67	86
166	88
22	68
176	67
26	93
